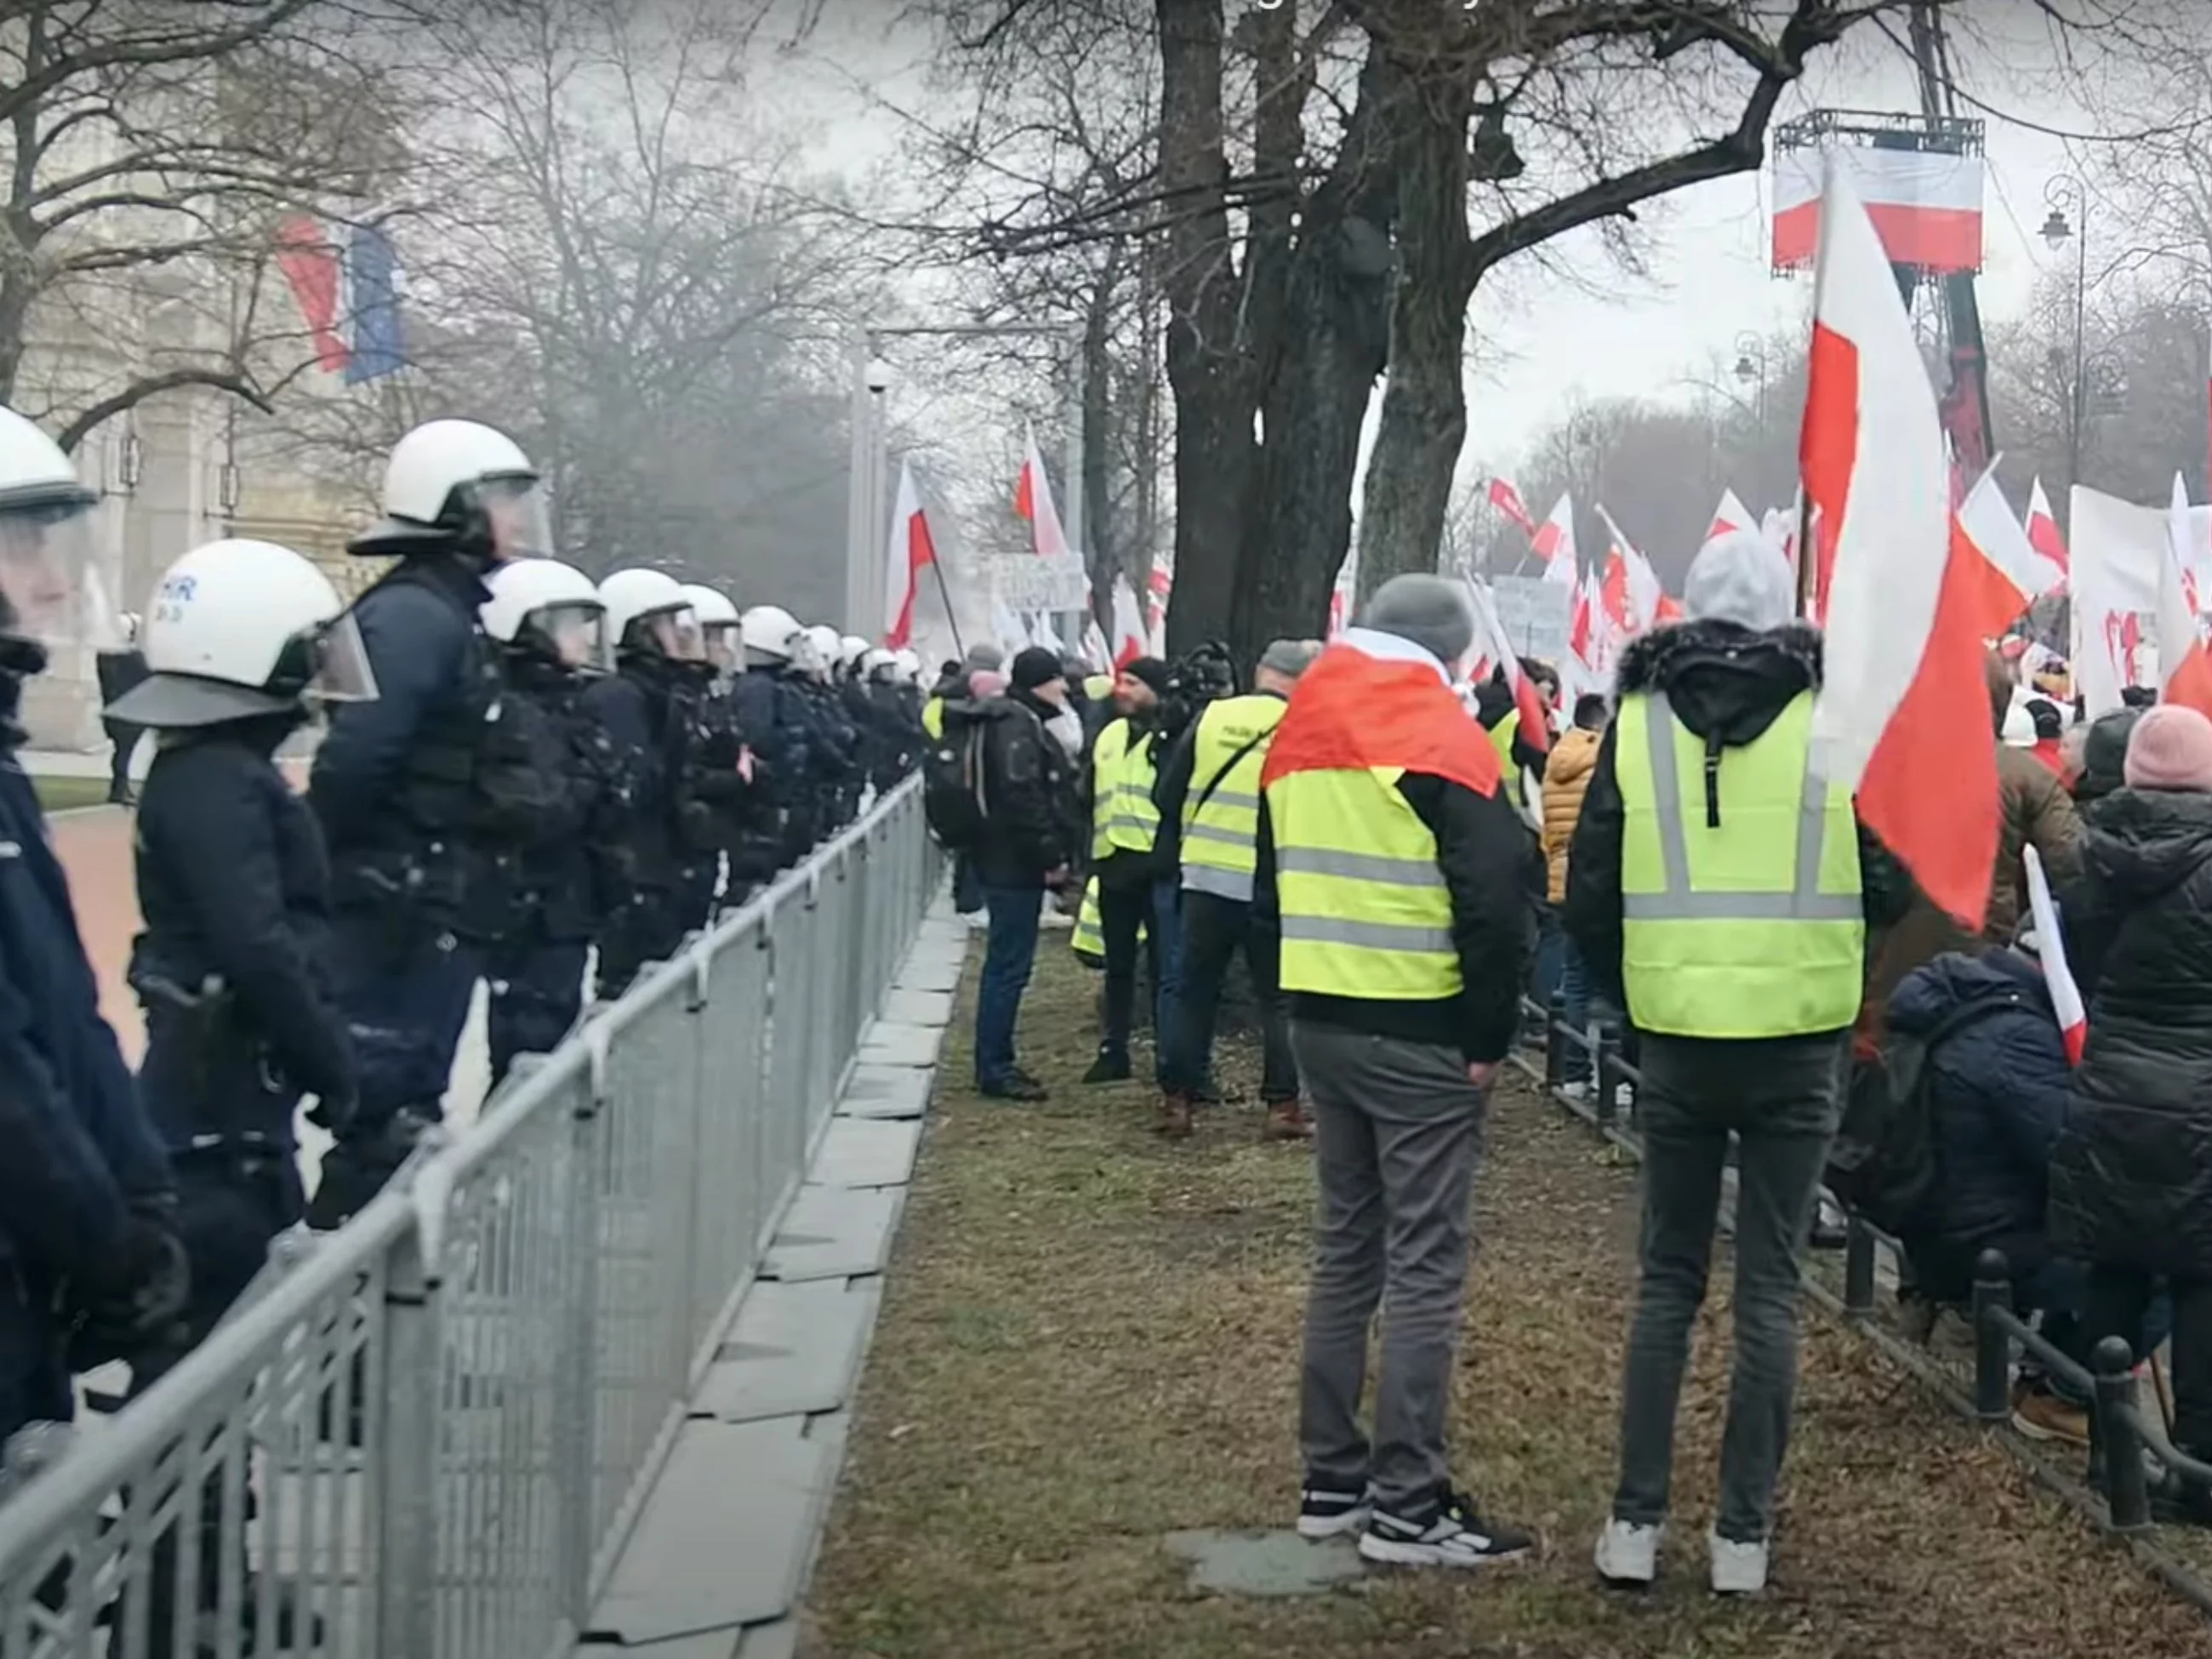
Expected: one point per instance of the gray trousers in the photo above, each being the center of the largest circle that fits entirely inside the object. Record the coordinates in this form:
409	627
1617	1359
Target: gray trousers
1398	1129
1783	1099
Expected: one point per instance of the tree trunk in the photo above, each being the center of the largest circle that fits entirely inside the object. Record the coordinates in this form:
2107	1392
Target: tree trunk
1206	363
1424	419
1334	340
1105	528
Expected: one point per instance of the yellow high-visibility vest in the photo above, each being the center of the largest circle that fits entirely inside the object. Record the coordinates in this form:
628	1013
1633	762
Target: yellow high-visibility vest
933	718
1752	926
1365	911
1221	813
1088	939
1123	818
1098	687
1501	739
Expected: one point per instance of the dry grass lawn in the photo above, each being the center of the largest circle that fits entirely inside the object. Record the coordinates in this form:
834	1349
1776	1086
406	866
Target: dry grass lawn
1088	1341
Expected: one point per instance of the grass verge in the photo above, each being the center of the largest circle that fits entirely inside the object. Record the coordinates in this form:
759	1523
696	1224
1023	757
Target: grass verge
1088	1341
66	794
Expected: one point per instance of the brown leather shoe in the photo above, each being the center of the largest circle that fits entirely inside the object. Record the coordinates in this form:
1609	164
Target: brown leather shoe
1175	1116
1286	1121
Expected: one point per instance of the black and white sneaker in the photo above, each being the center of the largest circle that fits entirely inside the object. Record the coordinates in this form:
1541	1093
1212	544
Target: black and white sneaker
1448	1534
1325	1514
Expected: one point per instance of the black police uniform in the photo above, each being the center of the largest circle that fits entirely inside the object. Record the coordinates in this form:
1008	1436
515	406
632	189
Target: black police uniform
644	708
725	805
773	712
426	796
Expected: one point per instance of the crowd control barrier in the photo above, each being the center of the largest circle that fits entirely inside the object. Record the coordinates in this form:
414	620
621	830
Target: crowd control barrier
2114	1491
426	1436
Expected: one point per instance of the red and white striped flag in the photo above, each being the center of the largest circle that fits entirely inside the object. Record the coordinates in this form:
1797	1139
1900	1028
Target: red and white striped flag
1129	640
1033	501
2051	950
2043	529
911	551
1554	544
1507	500
2184	670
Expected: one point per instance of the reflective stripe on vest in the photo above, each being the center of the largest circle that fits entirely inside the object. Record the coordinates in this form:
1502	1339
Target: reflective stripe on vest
1123	818
1751	927
1501	739
1365	911
1220	837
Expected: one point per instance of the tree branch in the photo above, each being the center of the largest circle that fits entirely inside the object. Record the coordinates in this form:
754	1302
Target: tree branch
152	386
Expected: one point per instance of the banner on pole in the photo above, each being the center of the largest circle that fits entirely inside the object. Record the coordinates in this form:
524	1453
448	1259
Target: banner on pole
1024	581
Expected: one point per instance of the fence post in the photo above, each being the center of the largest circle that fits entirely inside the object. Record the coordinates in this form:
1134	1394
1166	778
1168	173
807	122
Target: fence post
575	1398
1555	1022
406	1480
1605	1079
1858	1267
2127	1495
1992	1341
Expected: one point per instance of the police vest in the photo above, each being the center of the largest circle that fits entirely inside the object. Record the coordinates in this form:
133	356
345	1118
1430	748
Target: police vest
1123	818
1739	881
1365	911
1501	739
933	718
1221	813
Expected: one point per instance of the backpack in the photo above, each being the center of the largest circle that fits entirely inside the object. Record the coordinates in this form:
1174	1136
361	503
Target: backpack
1882	1164
952	783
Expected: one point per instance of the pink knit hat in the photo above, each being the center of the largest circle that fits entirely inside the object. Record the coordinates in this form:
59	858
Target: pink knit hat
2171	748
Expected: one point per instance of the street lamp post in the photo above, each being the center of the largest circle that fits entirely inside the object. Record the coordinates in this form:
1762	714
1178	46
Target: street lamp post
2057	195
1750	364
867	536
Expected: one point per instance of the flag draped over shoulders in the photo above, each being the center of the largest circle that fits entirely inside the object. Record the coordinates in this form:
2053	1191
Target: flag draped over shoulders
1375	700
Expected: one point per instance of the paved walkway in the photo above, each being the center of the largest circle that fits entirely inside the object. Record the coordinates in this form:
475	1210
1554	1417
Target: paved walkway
702	1576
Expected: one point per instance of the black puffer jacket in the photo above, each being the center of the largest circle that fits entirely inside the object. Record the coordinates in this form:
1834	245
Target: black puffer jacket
2131	1180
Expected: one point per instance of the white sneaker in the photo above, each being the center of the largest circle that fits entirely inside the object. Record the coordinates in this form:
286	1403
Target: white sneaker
1578	1091
1628	1552
1738	1569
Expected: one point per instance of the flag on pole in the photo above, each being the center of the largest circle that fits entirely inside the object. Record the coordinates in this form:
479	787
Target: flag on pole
1033	501
1507	500
911	551
1492	640
1904	653
1554	544
2010	576
2043	529
1730	514
2051	950
1129	640
2185	672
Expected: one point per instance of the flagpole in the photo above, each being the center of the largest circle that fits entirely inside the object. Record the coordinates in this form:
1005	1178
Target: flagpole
1806	555
944	592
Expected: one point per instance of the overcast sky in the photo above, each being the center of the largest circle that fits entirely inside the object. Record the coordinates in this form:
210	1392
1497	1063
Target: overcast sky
1537	346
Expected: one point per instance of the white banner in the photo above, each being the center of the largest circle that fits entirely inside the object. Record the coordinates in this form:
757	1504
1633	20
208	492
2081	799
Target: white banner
1023	582
2117	550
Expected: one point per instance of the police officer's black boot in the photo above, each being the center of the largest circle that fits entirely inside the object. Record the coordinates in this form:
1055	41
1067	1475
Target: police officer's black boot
1112	1065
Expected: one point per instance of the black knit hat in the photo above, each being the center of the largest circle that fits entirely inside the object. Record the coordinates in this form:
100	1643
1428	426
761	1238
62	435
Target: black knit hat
1035	667
1152	671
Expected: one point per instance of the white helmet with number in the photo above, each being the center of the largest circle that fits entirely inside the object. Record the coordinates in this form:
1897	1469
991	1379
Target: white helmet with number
464	486
719	625
49	590
240	628
772	633
548	606
645	597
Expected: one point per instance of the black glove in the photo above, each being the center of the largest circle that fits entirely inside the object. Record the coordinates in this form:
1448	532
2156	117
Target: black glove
133	1300
331	1114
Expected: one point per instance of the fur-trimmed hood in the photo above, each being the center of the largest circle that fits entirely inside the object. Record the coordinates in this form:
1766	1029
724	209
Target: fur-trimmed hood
1726	683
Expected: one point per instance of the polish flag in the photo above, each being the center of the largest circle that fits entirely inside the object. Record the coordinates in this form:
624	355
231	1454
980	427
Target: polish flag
1129	640
1730	514
1554	544
1373	700
1497	649
1904	651
1641	590
1156	607
2051	950
1507	500
1033	501
2043	529
2184	670
2012	575
911	551
1096	650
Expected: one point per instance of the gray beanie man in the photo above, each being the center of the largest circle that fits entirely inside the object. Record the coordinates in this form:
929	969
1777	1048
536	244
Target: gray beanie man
1431	610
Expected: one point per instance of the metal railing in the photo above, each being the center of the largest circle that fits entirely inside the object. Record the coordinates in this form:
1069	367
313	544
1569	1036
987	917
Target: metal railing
2128	1447
427	1436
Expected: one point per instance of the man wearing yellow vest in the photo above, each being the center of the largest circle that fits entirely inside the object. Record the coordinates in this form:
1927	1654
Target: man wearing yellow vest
1395	870
1133	857
1722	889
1210	786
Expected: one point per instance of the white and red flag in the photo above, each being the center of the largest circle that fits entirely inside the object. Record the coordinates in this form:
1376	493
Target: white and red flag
1130	639
1904	673
1554	544
2184	671
1033	501
1493	645
911	551
2012	575
1507	500
2051	950
2043	533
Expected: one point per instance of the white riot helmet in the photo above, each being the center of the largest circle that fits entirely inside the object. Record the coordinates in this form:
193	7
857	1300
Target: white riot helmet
822	641
909	666
462	486
719	625
850	649
240	628
772	634
49	590
879	666
547	608
646	611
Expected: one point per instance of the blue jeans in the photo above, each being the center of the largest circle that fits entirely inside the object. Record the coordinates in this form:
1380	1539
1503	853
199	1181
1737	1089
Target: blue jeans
967	885
1157	906
1546	967
1574	997
1008	956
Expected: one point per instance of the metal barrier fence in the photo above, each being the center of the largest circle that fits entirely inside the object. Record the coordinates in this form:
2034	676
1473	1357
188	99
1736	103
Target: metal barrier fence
430	1435
2128	1447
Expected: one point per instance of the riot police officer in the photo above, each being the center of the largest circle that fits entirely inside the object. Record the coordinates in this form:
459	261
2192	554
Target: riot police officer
645	708
840	770
427	794
547	622
726	775
87	1201
897	733
773	712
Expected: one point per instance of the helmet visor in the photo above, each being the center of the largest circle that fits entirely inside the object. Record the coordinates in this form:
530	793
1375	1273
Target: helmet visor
724	641
576	631
339	670
675	630
521	523
50	586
